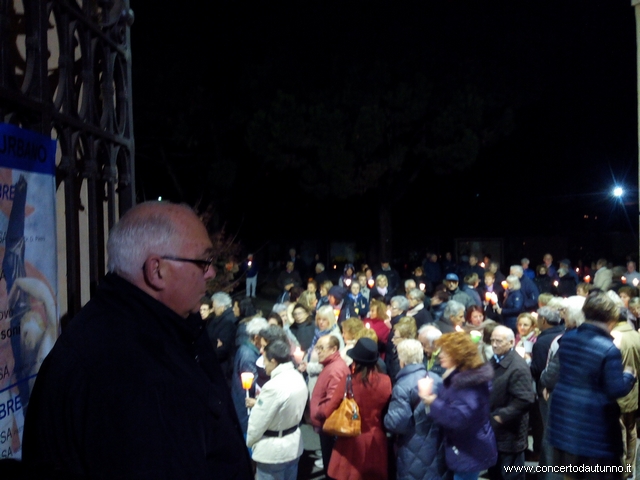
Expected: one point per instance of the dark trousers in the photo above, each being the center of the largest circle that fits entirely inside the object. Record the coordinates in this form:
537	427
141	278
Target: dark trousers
498	472
326	445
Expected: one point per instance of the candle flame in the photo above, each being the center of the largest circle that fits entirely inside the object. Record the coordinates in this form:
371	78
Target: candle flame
247	380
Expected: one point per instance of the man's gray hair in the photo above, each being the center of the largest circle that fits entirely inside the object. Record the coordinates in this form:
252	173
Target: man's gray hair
429	333
517	269
256	325
416	294
506	332
137	236
550	314
410	351
401	302
573	314
408	282
222	299
452	309
320	266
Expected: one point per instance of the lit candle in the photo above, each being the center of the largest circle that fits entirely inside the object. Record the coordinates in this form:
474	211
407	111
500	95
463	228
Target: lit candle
555	283
624	279
482	264
367	325
422	286
335	267
371	282
504	284
249	263
487	296
635	282
587	278
347	281
336	312
247	381
577	270
494	298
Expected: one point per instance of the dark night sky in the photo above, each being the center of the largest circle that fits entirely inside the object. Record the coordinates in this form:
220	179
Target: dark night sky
566	69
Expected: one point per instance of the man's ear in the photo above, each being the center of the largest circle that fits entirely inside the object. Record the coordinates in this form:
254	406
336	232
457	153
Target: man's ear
154	273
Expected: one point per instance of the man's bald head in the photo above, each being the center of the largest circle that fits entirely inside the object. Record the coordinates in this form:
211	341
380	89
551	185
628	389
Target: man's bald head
159	247
150	227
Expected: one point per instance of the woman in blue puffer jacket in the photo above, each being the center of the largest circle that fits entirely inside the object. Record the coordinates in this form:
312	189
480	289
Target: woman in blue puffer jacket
419	445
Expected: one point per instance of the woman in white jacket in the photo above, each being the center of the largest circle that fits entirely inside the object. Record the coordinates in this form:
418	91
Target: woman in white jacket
273	431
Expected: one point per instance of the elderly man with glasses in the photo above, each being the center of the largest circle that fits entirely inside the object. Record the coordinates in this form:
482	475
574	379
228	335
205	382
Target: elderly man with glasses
133	388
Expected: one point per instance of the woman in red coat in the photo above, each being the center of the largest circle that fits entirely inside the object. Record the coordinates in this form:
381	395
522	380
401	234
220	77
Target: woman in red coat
365	456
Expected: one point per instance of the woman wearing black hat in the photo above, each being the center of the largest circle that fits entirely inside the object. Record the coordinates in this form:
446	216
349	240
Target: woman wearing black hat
364	456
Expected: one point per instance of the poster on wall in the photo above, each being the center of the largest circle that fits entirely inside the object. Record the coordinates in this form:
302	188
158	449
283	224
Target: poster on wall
29	323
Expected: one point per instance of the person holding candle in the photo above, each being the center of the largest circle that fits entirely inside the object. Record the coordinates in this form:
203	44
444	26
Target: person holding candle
530	292
360	303
379	322
452	318
245	361
543	281
490	293
273	433
418	438
461	407
381	290
513	303
348	276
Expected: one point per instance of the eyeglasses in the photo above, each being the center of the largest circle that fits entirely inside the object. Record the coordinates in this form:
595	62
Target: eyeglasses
497	340
318	348
204	264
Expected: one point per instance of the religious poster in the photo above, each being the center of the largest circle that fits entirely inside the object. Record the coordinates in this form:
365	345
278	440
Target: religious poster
29	324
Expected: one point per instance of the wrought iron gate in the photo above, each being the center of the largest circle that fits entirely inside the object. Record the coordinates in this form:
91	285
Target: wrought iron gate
65	71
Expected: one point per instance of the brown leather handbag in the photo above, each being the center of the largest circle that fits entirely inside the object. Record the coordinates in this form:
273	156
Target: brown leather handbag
345	420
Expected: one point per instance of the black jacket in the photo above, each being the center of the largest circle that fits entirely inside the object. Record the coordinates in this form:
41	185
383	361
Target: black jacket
511	396
132	390
223	328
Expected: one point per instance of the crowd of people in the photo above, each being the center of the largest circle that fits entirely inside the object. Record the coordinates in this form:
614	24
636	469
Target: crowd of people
452	377
151	380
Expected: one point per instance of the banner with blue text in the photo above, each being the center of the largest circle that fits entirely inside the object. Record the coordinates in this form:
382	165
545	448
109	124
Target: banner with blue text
29	324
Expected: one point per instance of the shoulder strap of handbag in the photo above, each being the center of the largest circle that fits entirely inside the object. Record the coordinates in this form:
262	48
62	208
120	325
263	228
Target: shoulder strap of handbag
348	388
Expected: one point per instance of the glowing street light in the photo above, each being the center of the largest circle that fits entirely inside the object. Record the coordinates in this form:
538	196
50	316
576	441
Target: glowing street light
618	192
